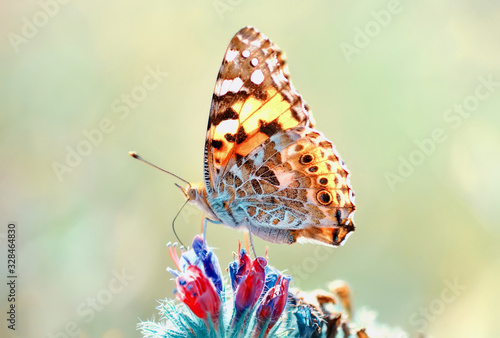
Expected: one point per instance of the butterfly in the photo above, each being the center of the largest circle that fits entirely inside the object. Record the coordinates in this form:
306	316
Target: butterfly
266	169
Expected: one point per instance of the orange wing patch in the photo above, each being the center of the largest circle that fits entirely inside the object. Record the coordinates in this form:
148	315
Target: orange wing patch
237	138
253	100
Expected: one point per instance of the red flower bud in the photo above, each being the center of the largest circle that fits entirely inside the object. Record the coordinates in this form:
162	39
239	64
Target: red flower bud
198	293
272	305
250	286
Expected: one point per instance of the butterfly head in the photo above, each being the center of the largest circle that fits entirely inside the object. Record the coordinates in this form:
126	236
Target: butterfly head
197	194
192	192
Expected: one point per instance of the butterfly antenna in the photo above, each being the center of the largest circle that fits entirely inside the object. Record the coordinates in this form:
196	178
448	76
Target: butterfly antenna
136	156
173	223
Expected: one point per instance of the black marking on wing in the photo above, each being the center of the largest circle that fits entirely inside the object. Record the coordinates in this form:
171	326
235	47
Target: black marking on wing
241	136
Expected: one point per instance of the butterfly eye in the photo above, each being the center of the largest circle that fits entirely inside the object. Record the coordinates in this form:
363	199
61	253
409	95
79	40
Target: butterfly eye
324	197
305	159
192	194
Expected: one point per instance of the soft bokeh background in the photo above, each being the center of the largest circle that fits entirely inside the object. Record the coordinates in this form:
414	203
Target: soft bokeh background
435	225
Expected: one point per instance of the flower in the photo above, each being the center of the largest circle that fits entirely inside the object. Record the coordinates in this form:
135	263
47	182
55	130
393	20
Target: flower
203	258
250	286
198	293
260	302
272	305
237	270
199	284
308	322
249	279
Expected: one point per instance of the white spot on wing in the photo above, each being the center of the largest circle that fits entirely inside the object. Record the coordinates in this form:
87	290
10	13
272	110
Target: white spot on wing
257	77
256	43
217	87
223	88
245	53
236	85
231	55
254	62
227	126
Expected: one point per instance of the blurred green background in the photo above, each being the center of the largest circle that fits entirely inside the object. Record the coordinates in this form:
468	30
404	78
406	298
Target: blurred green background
382	78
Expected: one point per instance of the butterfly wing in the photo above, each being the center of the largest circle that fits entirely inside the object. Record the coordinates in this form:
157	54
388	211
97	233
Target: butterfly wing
264	164
293	187
253	99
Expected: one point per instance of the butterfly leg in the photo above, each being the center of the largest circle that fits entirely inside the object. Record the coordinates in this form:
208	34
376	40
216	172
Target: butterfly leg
205	222
251	239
